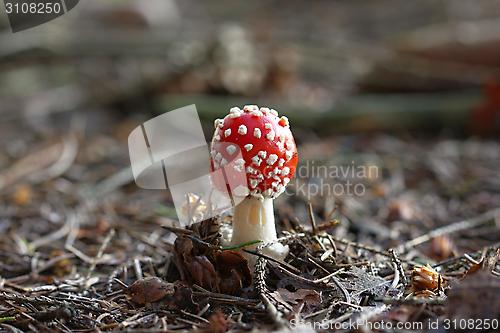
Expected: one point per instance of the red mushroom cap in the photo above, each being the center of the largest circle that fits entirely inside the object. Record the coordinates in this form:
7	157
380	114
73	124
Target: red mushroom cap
267	148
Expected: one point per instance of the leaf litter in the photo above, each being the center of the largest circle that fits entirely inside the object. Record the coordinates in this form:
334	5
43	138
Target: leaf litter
71	261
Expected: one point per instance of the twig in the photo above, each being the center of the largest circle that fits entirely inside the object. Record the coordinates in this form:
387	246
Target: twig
449	229
100	253
176	230
194	316
398	267
311	218
137	269
222	297
414	301
279	262
49	301
260	286
358	245
325	278
457	258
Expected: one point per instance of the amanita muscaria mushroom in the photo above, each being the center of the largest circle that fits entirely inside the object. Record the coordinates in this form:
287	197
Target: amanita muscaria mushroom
269	158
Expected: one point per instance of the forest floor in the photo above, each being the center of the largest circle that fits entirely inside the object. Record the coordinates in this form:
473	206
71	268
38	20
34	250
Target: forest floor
83	249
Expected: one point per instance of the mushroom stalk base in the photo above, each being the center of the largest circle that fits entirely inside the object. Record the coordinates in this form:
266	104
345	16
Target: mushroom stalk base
254	220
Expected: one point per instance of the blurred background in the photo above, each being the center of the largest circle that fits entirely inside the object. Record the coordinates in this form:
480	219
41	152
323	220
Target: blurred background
410	87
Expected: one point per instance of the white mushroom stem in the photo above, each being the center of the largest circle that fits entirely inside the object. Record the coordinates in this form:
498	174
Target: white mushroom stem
254	220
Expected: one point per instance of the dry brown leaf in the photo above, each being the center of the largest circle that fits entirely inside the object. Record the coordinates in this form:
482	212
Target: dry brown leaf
231	284
62	267
310	298
149	290
425	278
22	195
233	272
218	323
474	268
487	262
207	229
221	271
441	247
202	272
182	298
101	227
400	209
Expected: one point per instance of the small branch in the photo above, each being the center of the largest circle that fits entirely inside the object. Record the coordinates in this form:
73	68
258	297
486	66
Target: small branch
398	267
279	262
100	253
414	301
449	229
311	218
176	230
137	269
